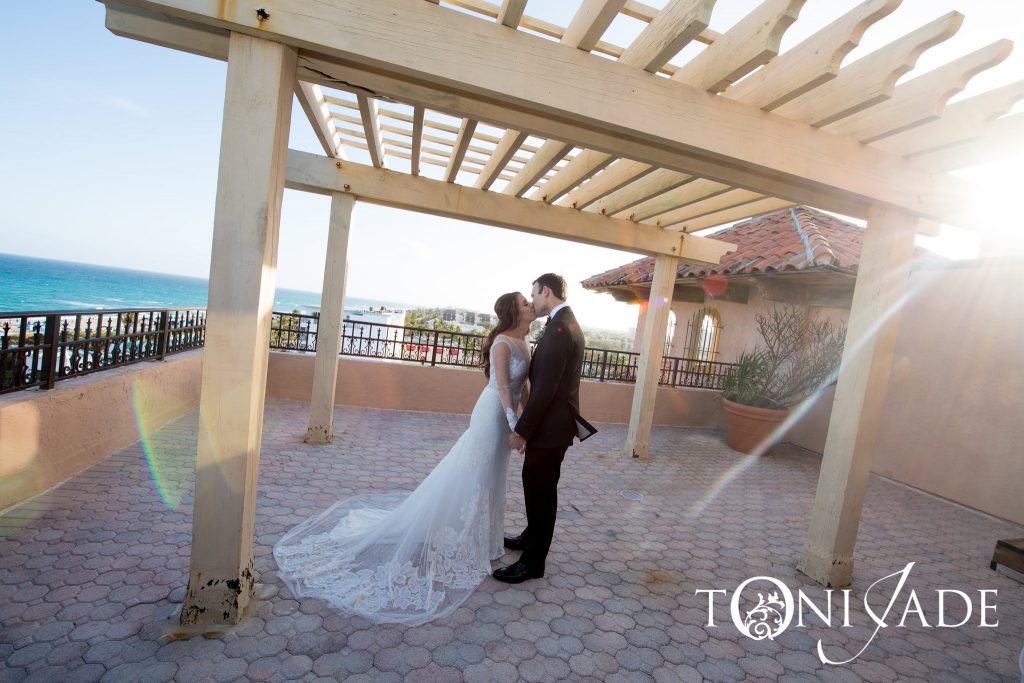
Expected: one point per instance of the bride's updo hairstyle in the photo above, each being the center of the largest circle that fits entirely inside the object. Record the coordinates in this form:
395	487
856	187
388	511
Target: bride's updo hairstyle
507	311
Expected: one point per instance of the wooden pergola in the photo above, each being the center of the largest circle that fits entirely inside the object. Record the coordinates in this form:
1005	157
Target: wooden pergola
565	135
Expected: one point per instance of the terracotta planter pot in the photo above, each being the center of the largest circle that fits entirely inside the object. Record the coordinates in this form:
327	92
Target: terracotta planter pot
752	430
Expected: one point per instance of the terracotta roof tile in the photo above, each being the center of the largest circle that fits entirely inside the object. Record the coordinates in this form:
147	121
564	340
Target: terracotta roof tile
794	239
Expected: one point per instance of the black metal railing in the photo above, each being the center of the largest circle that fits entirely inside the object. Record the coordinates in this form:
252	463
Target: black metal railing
41	347
297	332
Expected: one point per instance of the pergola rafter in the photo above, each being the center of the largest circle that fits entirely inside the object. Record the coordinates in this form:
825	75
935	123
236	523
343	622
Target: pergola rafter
636	153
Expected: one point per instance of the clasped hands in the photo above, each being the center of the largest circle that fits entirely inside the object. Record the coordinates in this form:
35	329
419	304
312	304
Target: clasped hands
517	442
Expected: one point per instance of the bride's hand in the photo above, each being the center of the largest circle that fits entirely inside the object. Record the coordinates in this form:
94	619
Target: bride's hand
516	442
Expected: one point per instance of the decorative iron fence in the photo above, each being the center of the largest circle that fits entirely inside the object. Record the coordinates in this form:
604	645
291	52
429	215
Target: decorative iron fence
39	348
297	332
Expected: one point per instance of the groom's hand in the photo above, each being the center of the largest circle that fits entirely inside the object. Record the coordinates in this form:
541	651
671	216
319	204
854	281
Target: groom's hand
517	442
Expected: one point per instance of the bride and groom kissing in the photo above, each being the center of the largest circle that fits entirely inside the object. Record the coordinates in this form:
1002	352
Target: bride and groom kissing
410	558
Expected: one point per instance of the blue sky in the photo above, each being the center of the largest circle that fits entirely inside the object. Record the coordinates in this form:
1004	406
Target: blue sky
110	153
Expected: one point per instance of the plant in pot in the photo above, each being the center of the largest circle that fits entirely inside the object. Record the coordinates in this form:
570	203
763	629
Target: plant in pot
797	357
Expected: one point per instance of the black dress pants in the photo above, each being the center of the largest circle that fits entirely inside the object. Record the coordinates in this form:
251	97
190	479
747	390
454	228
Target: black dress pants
542	468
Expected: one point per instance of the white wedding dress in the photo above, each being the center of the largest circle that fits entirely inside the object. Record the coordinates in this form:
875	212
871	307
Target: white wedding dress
409	558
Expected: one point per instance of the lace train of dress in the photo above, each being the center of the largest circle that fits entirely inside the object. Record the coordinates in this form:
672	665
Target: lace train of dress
410	558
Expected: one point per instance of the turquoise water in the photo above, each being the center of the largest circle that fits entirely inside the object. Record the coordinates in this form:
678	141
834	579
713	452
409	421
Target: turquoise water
33	284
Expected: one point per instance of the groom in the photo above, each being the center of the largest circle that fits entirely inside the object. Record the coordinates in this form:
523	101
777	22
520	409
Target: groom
547	426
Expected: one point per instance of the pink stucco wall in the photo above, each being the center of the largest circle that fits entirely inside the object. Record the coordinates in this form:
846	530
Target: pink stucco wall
47	436
405	386
953	414
952	422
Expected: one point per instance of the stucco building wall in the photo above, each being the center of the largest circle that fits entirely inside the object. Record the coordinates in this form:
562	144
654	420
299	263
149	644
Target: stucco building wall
952	419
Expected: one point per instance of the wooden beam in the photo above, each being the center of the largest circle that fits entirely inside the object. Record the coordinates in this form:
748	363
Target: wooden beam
311	99
675	200
590	22
871	79
811	63
491	10
371	128
961	122
243	267
738	213
1004	139
329	323
550	153
859	397
442	153
401	154
511	12
720	201
166	31
580	168
652	184
648	372
313	173
417	140
618	175
592	103
505	150
751	42
459	149
646	13
671	30
922	99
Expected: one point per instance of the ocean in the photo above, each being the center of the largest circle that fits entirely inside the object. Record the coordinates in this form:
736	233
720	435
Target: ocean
34	284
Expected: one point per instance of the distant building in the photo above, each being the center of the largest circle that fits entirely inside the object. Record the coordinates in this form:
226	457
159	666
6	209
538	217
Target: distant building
448	315
377	315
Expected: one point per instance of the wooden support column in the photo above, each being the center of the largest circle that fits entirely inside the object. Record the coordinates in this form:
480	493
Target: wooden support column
860	394
649	370
250	186
328	327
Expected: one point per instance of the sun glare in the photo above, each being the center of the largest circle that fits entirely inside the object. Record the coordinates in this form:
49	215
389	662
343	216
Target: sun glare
997	215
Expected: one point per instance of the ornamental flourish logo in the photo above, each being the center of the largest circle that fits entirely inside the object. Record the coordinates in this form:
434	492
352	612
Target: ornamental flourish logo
764	621
776	608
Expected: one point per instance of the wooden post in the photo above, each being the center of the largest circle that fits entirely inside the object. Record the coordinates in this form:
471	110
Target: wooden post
250	186
649	370
860	394
328	328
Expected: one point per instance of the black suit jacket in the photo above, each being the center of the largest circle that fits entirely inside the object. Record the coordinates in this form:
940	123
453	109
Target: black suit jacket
549	418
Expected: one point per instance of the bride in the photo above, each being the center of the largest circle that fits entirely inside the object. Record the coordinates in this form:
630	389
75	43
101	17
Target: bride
409	558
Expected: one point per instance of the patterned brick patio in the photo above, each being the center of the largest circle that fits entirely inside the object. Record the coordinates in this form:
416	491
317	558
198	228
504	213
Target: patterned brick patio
92	572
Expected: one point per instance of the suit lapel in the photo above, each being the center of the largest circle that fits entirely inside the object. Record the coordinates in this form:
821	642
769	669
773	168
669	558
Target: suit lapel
563	313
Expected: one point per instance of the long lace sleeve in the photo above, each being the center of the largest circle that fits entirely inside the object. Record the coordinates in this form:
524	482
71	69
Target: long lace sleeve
501	358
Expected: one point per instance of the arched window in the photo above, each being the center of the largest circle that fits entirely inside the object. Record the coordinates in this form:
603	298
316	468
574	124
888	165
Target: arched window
704	330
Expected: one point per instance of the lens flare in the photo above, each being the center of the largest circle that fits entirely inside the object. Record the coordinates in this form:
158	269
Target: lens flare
854	346
167	471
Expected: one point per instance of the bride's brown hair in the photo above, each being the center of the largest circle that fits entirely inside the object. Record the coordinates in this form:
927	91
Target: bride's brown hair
507	310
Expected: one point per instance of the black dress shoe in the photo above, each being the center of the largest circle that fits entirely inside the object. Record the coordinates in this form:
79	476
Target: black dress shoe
517	543
517	573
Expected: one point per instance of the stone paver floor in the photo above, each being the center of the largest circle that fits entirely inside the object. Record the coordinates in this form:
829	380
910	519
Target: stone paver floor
92	572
